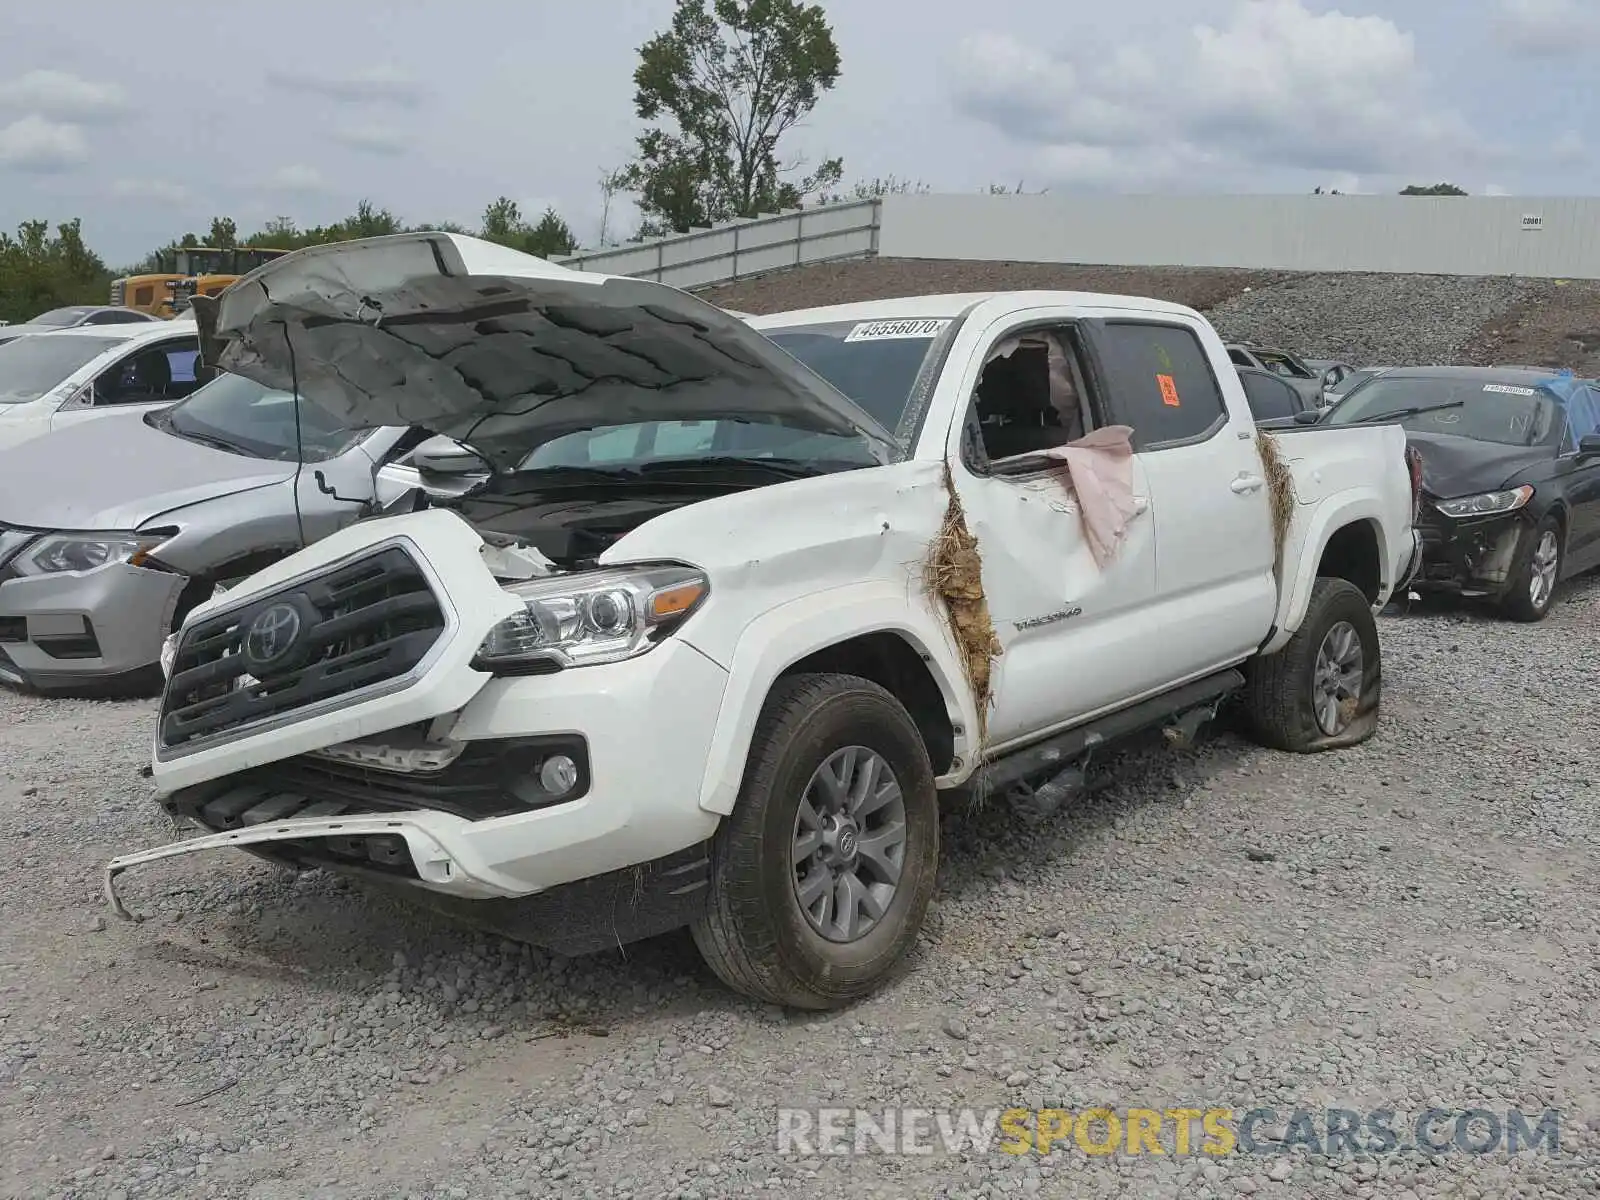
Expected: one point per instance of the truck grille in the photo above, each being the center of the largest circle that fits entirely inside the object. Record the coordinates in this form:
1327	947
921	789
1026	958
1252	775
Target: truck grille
361	625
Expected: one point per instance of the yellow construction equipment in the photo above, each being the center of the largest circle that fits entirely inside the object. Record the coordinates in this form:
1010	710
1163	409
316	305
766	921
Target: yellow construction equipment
185	272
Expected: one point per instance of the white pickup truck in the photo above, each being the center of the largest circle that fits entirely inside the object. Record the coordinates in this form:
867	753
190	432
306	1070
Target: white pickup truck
739	599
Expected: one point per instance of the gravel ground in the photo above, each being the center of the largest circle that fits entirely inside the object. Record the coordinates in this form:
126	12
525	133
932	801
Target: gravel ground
1410	924
1366	319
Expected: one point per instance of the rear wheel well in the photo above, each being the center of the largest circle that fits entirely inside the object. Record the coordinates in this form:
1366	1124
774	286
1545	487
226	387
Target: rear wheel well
891	662
1352	553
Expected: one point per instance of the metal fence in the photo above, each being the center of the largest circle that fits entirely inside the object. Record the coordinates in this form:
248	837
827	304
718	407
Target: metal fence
740	249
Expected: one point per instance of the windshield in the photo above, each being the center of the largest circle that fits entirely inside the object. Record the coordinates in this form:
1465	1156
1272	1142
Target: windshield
60	316
874	363
31	366
235	414
1512	414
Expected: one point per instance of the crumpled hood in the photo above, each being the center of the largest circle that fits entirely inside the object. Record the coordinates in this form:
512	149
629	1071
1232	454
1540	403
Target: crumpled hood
117	473
504	350
1460	466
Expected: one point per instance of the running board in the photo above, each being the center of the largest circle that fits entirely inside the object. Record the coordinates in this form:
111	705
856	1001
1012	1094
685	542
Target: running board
1056	753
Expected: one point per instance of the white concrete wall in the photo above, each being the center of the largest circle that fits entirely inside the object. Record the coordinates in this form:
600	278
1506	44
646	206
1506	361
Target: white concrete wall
1446	235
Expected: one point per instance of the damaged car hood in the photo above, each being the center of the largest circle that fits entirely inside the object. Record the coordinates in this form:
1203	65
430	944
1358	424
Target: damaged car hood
118	473
1460	466
506	351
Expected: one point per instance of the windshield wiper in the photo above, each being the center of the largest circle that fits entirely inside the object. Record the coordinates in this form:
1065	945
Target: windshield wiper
792	468
206	439
1408	412
602	473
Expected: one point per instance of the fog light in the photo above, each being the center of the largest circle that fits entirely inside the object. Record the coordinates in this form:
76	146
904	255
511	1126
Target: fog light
558	775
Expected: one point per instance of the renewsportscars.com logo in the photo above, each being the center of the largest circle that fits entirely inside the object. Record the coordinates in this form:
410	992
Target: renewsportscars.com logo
1175	1132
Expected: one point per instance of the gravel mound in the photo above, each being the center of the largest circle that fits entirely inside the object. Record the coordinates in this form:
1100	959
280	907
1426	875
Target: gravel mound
885	278
1410	924
1383	320
1365	319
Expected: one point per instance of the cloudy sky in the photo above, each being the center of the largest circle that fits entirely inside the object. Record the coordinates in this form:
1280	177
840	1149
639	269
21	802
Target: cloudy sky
147	121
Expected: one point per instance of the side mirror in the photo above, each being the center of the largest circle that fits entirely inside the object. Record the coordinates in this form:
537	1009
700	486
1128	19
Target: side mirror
1589	445
445	456
1331	376
1308	416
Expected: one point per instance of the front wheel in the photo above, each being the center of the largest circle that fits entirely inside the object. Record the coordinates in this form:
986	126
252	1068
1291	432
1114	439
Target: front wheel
1322	690
822	874
1533	582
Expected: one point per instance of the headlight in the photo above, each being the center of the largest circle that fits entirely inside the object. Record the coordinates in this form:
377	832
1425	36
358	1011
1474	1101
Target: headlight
599	617
1487	504
169	652
84	551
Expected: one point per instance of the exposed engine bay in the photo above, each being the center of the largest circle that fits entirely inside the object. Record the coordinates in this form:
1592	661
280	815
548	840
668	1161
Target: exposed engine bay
569	523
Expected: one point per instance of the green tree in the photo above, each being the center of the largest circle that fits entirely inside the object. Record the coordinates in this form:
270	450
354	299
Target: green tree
551	237
734	77
224	233
1437	189
503	223
39	272
368	221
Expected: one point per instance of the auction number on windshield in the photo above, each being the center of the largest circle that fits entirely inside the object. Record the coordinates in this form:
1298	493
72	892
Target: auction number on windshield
869	331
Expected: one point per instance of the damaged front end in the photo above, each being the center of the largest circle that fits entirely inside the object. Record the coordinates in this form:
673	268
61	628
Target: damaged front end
1472	554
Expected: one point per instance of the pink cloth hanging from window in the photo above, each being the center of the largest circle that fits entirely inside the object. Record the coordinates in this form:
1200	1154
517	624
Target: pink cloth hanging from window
1099	471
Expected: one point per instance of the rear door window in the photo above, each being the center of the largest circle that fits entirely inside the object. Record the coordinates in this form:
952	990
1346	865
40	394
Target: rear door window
1159	380
1270	398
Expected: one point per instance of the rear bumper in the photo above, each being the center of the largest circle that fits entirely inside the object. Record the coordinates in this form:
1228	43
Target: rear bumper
1413	565
89	631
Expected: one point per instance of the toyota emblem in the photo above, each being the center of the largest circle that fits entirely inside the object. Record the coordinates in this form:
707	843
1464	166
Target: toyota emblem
272	634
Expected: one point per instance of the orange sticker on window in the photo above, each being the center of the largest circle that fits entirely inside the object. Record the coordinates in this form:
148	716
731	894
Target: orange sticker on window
1169	391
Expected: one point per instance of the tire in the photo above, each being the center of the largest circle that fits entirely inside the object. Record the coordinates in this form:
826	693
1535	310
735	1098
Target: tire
1281	694
1522	601
755	935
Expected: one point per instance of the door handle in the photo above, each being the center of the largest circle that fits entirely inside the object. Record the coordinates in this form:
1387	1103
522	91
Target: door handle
1246	483
1141	505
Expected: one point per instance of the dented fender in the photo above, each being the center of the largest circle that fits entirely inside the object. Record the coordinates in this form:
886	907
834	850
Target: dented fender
783	636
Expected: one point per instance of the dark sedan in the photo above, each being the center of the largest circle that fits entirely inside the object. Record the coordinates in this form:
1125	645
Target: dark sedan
1510	476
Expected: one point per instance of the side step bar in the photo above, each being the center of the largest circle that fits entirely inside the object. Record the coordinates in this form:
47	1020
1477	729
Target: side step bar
1056	753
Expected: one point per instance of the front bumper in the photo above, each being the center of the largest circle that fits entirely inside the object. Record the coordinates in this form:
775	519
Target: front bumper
1470	558
89	630
644	727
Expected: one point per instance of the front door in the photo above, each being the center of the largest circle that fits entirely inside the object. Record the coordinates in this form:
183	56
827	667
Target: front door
1215	591
1072	633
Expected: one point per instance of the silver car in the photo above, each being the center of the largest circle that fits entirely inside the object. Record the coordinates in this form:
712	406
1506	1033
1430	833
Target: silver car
74	317
112	530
